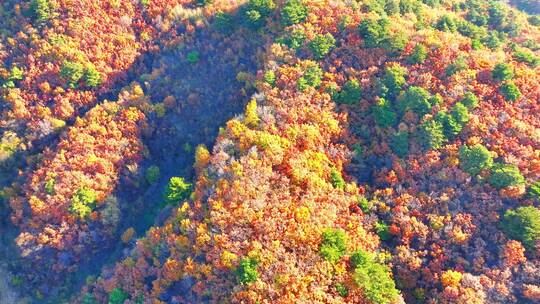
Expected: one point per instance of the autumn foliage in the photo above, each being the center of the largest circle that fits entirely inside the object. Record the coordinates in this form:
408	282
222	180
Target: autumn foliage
373	152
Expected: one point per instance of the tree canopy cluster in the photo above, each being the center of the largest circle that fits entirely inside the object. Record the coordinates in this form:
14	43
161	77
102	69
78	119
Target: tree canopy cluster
264	151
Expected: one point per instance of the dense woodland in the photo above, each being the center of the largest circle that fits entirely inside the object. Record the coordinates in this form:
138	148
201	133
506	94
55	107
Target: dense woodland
269	151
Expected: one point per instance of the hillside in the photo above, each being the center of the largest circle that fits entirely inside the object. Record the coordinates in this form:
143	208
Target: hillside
264	151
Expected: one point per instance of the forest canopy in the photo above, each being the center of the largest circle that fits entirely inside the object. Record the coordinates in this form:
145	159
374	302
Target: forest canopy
270	151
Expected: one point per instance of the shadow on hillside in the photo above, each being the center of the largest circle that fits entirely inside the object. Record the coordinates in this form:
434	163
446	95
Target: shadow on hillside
207	94
8	172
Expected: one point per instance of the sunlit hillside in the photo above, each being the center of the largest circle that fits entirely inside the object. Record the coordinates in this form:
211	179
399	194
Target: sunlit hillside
269	151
